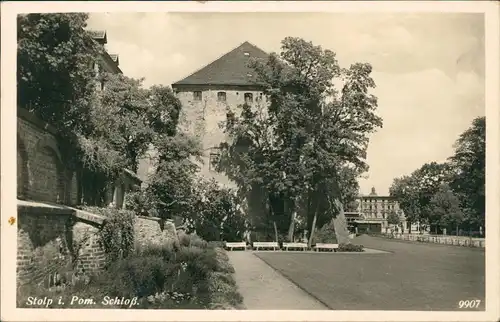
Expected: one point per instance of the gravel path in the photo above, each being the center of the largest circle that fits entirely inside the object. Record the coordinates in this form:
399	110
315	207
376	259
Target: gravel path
265	289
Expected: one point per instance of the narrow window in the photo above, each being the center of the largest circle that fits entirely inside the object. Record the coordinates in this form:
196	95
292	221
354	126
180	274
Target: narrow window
197	95
221	96
248	98
214	159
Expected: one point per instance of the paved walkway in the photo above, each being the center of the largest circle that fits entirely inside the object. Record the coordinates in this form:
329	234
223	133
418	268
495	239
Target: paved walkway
263	288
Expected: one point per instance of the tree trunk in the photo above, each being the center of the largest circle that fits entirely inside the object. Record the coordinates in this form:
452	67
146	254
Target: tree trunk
275	231
313	228
456	232
291	229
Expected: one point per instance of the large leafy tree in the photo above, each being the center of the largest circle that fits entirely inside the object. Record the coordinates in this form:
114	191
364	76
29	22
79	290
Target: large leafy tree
406	190
415	192
445	209
310	140
55	74
468	165
120	123
100	132
172	187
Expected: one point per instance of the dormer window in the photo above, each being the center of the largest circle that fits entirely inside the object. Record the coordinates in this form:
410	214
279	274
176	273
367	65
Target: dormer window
248	98
197	95
221	96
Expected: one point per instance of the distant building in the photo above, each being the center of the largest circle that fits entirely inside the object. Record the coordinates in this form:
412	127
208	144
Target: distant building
373	211
210	93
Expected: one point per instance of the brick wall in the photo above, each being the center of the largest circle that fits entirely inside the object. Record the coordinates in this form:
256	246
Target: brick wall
47	235
42	247
41	175
50	235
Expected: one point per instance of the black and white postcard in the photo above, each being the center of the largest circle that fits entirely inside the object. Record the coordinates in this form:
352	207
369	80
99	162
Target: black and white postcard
250	160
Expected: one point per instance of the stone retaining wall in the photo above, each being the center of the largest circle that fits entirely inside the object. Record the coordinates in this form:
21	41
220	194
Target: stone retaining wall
152	230
49	236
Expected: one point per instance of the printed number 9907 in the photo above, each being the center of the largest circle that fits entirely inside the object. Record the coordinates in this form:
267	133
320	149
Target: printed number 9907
469	304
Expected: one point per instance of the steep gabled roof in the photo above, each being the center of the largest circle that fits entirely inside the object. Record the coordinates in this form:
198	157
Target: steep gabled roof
230	69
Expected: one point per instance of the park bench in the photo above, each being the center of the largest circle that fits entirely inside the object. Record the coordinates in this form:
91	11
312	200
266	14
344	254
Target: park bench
266	245
301	246
328	247
232	245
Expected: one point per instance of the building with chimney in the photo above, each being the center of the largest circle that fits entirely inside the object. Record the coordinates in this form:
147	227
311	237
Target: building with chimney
208	94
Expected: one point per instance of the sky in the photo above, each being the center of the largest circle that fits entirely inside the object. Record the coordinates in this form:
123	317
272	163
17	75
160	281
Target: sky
428	67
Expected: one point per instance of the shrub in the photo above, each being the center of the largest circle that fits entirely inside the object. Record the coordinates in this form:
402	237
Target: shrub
139	276
117	234
222	259
350	248
224	292
326	234
216	244
162	276
200	262
191	240
166	250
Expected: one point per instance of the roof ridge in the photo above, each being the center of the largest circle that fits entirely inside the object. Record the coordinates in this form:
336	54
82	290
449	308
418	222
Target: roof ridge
217	59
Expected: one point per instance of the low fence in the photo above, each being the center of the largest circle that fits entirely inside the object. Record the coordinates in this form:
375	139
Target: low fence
445	240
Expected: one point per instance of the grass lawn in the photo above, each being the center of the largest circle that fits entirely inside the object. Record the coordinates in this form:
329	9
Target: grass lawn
410	277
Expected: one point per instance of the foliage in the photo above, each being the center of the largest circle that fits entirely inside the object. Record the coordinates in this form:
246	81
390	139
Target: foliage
445	208
188	240
326	234
119	122
468	164
100	131
415	192
55	73
450	193
160	276
350	248
306	148
117	233
217	215
393	218
138	202
172	187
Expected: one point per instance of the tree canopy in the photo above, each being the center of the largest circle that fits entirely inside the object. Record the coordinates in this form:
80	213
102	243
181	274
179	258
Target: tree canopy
451	193
307	144
100	131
